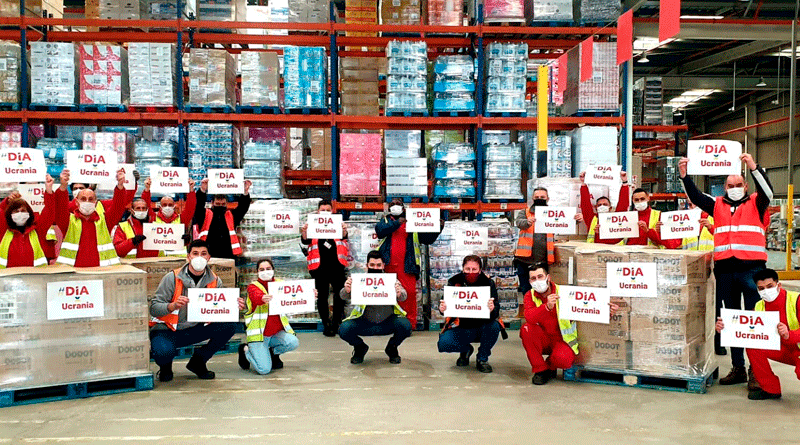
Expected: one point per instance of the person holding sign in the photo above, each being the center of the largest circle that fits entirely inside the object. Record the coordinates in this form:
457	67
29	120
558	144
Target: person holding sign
649	220
458	333
401	252
87	241
740	222
268	336
774	298
375	320
218	224
166	212
706	239
602	205
128	234
22	233
327	264
169	329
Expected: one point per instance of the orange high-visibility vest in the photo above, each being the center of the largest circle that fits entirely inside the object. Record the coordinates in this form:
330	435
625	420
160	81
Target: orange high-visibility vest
171	319
237	248
741	234
313	253
525	242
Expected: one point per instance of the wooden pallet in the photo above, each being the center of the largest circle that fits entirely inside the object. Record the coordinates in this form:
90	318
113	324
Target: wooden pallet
362	199
406	113
307	326
637	379
307	111
595	113
102	108
450	113
186	352
153	109
208	109
506	113
9	106
52	108
250	109
408	199
78	390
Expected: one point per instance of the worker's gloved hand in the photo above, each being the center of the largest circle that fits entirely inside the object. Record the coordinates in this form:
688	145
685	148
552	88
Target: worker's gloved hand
187	238
136	175
138	239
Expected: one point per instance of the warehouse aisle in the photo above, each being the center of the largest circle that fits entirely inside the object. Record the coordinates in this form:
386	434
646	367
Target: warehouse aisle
320	398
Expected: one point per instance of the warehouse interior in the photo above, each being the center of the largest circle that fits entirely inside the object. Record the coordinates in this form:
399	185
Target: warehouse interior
462	106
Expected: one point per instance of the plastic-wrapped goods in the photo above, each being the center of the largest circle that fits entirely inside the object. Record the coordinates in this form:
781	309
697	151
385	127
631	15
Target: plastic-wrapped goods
54	153
507	67
407	75
120	143
445	12
549	10
593	146
36	351
454	171
210	146
503	11
154	154
601	91
359	86
262	162
258	244
9	73
10	139
362	239
454	83
314	11
361	12
277	11
151	68
433	138
360	164
502	169
669	180
649	101
406	170
445	262
53	71
400	12
120	10
159	10
597	11
103	78
305	77
260	79
559	154
218	10
402	143
212	77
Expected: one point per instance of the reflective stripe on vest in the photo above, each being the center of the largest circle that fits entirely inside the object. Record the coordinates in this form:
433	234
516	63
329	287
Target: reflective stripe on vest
256	318
235	246
71	245
568	328
526	241
791	310
39	258
358	311
414	243
740	228
171	319
741	234
342	251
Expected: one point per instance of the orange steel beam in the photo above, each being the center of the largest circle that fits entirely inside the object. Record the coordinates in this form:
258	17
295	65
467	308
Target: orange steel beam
300	40
111	36
554	122
456	42
381	122
661	128
422	29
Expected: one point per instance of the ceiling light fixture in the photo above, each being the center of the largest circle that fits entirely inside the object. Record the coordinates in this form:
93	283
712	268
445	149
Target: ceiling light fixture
761	82
644	59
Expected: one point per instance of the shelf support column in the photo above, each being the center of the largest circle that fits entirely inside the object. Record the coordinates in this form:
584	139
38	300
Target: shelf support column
626	136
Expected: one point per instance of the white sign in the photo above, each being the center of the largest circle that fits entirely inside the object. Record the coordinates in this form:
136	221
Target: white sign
467	302
282	222
750	329
555	220
291	297
618	225
22	165
169	180
226	181
212	305
33	194
603	174
75	299
322	226
423	220
714	157
369	241
162	236
680	224
632	279
130	180
584	304
471	240
374	289
92	166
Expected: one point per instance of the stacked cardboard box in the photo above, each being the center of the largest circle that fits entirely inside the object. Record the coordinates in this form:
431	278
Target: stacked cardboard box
445	12
260	79
9	72
360	164
359	91
305	11
593	146
119	9
548	10
151	74
406	168
400	12
103	74
601	91
53	71
120	143
37	351
212	77
33	8
361	12
220	10
157	9
318	142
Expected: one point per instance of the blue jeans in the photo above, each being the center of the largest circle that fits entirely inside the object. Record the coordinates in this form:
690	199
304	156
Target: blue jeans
731	286
351	330
164	343
258	351
458	339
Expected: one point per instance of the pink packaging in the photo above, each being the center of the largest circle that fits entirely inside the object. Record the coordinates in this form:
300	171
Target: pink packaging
504	9
360	164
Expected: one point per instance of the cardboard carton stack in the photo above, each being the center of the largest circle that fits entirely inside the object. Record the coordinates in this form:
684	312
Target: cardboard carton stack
359	91
9	72
36	351
601	91
318	141
33	8
151	74
445	12
260	79
361	12
400	12
305	77
119	9
212	77
53	72
103	74
304	11
406	168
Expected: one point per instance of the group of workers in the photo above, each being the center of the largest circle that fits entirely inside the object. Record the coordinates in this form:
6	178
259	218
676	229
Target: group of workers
733	226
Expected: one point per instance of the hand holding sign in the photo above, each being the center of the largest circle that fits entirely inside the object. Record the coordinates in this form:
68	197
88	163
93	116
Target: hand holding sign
714	157
467	302
749	329
603	174
423	220
618	225
374	289
584	304
680	224
324	226
556	220
92	166
226	181
22	165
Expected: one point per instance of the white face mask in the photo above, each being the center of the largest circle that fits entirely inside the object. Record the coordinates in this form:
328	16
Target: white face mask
640	206
603	209
20	218
540	285
266	275
141	215
324	212
168	211
199	263
736	193
86	208
769	295
396	210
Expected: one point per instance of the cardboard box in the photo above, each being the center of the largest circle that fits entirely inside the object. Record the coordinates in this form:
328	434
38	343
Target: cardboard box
670	358
591	260
667	328
562	270
157	267
605	352
619	327
681	299
676	266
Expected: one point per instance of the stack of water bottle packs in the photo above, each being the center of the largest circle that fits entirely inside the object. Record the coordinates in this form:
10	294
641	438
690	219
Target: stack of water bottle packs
454	171
407	77
454	84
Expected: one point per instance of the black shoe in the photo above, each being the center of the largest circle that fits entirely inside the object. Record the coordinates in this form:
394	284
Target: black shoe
243	362
358	354
164	374
483	367
760	394
720	351
463	359
542	377
277	363
752	383
329	332
198	366
394	356
737	375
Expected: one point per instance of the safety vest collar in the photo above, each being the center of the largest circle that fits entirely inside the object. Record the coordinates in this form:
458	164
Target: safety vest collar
172	318
791	309
255	319
39	258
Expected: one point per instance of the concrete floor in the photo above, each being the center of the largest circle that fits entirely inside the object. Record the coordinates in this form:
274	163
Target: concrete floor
320	398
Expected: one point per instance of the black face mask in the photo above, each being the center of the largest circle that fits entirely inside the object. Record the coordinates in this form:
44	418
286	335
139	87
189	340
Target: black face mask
218	209
540	202
374	270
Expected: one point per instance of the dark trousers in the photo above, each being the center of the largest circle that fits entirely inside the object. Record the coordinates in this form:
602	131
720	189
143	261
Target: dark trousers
731	285
164	343
352	330
325	278
524	278
458	339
